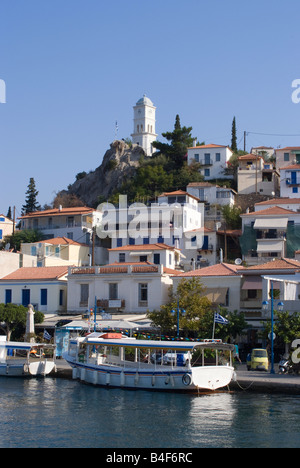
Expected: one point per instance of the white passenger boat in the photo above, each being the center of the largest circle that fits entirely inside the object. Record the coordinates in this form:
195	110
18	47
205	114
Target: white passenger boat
19	359
116	361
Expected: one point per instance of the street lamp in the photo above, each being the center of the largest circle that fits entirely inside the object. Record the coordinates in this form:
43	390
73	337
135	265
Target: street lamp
265	306
174	312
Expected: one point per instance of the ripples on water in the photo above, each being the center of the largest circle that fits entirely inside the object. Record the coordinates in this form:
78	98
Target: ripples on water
62	413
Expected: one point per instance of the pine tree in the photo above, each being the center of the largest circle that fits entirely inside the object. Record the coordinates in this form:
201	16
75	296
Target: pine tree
9	213
233	136
180	139
31	203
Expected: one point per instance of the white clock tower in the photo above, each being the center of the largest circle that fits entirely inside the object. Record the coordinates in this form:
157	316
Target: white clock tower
144	125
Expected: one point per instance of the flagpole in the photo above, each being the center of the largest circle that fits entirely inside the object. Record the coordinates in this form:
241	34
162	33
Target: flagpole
214	326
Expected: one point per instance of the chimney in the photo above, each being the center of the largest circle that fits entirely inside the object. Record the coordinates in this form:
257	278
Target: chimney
60	208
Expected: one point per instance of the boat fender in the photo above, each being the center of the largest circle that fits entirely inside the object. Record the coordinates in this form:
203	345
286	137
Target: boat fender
153	380
167	380
186	379
136	378
122	379
107	380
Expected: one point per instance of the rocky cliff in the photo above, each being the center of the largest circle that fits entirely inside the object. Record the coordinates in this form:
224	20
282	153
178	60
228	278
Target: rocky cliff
119	163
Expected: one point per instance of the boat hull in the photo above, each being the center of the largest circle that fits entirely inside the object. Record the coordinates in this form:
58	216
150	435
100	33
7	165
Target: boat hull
23	369
207	379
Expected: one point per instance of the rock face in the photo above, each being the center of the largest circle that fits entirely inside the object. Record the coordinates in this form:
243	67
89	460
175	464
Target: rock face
119	163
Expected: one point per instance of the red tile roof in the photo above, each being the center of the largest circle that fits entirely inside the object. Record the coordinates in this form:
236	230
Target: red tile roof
211	145
220	269
279	201
279	264
249	157
274	210
60	241
59	212
145	247
36	273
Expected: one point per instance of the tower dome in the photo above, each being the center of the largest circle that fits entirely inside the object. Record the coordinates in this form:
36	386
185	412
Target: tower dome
144	101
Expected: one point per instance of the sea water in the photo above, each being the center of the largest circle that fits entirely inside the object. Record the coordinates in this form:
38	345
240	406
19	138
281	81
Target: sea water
53	413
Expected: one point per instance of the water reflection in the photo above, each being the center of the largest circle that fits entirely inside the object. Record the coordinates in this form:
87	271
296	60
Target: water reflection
58	413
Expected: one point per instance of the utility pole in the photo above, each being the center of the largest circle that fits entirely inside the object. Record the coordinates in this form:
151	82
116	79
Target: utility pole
245	141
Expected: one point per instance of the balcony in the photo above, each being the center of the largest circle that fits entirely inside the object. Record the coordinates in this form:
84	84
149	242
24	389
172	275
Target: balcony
111	303
293	182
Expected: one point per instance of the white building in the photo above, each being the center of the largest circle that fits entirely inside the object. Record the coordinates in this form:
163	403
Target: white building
144	125
290	181
256	176
123	287
222	283
212	194
213	159
287	156
44	288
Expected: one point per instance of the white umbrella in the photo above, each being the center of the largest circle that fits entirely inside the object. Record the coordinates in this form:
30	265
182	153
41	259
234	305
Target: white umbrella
30	325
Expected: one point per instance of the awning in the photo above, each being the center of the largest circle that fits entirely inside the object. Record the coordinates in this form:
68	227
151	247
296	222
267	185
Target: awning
253	282
270	245
271	223
216	295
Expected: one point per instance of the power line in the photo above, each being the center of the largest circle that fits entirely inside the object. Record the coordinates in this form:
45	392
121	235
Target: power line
273	134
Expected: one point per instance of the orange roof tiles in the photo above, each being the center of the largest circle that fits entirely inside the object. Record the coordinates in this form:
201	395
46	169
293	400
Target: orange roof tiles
220	269
60	241
59	212
274	210
37	273
145	247
279	264
279	201
211	145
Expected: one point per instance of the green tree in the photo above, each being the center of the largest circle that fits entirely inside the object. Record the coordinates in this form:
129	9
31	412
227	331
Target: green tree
26	236
180	139
190	297
31	203
286	327
233	136
232	216
13	319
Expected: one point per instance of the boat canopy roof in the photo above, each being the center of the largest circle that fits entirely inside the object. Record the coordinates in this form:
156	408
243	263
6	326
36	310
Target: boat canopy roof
23	345
170	345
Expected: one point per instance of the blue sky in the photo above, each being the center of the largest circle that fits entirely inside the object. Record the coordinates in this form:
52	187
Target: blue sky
73	68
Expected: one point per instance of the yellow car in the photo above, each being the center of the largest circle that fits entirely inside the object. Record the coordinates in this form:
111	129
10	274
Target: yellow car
258	360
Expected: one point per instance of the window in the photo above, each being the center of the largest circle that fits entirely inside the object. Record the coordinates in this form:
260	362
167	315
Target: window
44	297
122	257
119	242
206	172
143	294
196	157
295	189
146	240
218	157
113	291
84	295
286	156
8	296
33	250
61	297
70	221
143	258
156	259
131	241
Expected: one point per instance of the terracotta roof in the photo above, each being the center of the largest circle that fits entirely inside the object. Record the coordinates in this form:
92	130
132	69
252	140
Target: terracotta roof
177	192
60	241
279	201
273	210
279	264
59	212
220	269
145	247
290	148
36	273
249	157
211	145
292	166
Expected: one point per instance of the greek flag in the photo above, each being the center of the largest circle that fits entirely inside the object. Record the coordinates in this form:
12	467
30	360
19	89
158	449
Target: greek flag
46	335
220	319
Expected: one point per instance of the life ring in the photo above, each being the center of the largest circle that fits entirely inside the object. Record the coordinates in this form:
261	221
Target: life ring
186	379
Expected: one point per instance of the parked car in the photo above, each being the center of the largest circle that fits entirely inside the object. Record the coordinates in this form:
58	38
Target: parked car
176	359
258	359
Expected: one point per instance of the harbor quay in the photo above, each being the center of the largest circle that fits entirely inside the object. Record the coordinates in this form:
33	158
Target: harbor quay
246	381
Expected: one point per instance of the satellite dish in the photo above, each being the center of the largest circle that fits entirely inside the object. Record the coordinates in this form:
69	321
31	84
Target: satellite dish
238	261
